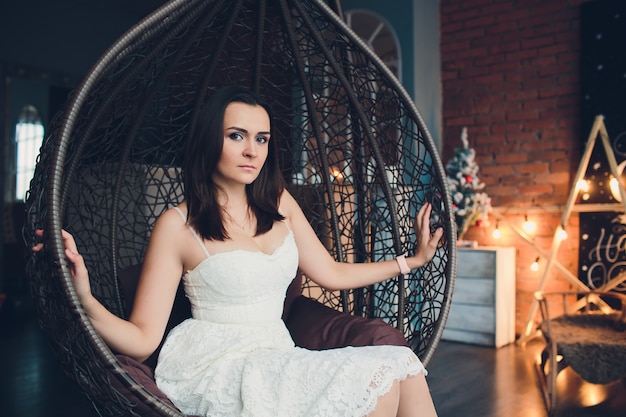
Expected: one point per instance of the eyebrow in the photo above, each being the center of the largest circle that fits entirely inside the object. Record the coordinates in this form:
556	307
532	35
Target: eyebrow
242	130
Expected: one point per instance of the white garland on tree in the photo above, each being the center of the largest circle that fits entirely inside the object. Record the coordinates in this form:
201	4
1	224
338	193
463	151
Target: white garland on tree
471	206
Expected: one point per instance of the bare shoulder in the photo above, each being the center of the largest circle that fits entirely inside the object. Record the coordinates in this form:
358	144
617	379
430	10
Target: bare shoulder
167	239
287	204
173	216
290	208
170	224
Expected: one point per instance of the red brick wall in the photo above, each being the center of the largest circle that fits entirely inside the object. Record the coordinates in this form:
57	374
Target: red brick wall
510	73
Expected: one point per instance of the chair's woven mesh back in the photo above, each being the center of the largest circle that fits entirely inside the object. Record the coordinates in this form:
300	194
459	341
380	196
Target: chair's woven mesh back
353	149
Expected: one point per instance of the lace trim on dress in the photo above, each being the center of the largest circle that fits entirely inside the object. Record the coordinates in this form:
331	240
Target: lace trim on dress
381	383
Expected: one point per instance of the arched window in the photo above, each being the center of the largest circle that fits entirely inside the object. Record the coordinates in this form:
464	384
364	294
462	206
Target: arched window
29	133
379	35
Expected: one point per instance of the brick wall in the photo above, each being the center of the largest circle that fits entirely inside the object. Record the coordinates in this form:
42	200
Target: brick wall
510	73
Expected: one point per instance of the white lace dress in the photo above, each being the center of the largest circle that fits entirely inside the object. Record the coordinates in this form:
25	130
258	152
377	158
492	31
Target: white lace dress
235	357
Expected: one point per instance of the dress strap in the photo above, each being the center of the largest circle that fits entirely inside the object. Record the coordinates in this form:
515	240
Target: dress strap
286	222
193	232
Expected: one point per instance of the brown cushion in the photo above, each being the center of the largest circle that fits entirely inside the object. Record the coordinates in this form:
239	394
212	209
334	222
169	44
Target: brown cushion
143	375
315	326
293	292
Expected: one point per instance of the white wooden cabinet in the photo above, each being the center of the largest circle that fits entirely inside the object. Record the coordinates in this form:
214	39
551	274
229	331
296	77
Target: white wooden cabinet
483	301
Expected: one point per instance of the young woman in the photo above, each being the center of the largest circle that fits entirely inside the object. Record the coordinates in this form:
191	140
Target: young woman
237	241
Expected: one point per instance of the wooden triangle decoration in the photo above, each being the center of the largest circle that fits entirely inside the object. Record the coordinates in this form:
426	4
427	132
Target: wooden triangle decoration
597	130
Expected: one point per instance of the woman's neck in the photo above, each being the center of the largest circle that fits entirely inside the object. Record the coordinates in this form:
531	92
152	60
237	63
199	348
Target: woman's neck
237	210
232	196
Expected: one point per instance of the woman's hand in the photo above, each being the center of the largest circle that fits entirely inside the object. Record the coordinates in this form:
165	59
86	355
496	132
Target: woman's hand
78	270
426	243
138	338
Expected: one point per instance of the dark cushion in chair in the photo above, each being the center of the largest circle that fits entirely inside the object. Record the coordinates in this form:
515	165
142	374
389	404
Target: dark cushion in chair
143	375
315	326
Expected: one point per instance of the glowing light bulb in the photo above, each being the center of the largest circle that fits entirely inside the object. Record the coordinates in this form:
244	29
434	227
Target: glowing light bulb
583	185
529	226
561	234
496	233
535	265
614	185
336	174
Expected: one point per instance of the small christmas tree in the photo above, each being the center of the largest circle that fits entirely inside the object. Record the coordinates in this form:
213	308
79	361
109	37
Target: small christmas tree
471	206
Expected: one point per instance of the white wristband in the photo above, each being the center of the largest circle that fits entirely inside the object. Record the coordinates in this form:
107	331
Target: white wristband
404	267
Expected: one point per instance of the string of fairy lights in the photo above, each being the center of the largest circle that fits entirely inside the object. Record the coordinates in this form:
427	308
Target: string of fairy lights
526	231
528	227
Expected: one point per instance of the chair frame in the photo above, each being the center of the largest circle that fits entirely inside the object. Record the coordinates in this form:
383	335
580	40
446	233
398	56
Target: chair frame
117	108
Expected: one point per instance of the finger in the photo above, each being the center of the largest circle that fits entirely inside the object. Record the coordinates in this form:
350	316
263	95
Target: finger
77	262
428	208
72	254
424	220
435	239
422	212
419	219
38	235
437	235
68	241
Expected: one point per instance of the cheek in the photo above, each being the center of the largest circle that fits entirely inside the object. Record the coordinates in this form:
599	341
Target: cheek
224	164
228	154
265	150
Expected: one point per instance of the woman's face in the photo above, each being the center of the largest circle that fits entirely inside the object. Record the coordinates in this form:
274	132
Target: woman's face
246	140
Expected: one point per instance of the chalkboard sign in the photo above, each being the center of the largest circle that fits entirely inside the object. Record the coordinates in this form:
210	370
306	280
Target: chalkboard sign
602	248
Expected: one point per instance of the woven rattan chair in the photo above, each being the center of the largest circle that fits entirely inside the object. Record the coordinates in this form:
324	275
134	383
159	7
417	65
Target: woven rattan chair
585	331
353	148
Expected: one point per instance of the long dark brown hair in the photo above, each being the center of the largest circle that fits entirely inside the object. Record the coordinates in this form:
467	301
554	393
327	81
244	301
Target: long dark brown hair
202	153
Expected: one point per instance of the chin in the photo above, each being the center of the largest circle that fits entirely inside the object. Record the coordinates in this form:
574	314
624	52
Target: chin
250	180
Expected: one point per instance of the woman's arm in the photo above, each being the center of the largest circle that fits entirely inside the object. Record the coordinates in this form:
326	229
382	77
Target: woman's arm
317	264
162	269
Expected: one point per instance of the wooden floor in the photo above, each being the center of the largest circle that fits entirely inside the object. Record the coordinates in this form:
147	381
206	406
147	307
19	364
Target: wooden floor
473	381
465	380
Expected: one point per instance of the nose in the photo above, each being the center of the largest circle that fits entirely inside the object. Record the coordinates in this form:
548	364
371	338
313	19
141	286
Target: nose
250	151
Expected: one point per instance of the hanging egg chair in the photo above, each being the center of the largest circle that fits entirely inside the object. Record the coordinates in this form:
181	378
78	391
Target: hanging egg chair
353	148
